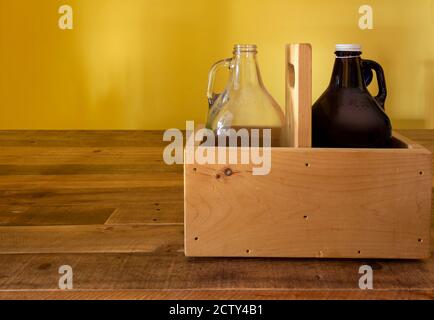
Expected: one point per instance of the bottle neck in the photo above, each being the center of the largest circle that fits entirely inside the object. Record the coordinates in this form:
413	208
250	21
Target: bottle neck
246	70
347	71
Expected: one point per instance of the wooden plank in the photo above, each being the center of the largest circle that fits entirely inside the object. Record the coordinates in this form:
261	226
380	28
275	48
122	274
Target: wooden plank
138	213
315	203
79	239
299	93
37	156
88	169
135	199
78	181
56	216
112	197
168	269
149	213
97	139
217	295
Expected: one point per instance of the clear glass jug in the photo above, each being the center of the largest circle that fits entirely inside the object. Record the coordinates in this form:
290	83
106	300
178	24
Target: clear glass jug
245	103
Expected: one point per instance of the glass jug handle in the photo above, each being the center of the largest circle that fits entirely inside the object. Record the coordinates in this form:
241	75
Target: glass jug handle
368	66
212	96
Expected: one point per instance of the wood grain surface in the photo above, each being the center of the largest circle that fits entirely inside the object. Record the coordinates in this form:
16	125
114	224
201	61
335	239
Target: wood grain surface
323	203
106	204
298	101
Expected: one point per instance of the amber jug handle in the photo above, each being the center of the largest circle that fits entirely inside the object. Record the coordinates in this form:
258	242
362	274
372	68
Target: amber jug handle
212	96
368	66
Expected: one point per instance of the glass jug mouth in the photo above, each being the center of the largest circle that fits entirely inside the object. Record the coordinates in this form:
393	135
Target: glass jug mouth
245	48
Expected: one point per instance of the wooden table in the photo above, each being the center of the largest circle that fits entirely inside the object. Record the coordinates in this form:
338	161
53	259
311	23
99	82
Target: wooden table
105	204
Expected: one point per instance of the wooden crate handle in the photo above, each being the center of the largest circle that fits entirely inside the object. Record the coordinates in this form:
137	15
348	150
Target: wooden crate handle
299	94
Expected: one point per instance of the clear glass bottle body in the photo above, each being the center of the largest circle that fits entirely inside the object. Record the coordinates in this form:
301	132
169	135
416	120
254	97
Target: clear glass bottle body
245	103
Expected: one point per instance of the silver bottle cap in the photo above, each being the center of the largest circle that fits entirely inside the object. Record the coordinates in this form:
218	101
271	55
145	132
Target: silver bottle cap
348	48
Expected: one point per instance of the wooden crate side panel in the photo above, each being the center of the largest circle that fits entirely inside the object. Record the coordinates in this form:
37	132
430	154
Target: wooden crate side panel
314	203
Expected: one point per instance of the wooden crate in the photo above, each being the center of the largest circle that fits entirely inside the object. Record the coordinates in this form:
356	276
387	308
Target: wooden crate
315	203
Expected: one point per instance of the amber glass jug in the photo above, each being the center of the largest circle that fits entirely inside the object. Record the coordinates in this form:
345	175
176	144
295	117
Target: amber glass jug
245	102
347	115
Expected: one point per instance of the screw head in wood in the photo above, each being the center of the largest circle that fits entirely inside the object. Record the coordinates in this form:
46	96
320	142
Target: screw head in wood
228	172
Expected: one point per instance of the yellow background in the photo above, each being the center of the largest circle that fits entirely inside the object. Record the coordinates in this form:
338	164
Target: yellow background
143	64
